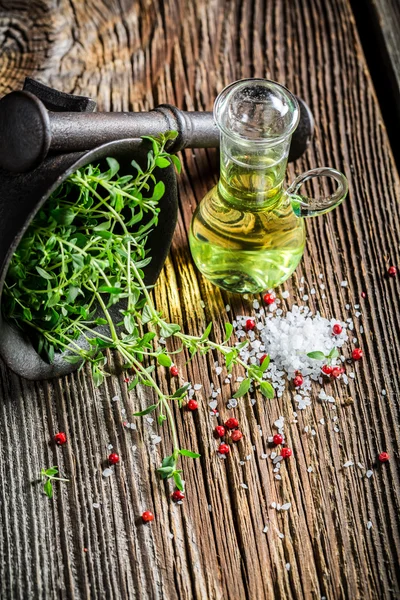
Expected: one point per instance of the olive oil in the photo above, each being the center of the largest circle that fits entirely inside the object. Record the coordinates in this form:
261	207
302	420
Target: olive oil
244	235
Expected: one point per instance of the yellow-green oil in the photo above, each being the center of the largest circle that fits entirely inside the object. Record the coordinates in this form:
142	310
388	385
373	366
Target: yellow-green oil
244	234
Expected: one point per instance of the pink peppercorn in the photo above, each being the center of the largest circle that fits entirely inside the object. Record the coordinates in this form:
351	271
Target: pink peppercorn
286	452
236	435
337	329
392	271
250	324
60	438
232	423
384	457
223	449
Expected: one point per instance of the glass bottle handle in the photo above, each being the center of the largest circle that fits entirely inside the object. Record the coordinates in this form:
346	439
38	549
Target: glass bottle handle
305	206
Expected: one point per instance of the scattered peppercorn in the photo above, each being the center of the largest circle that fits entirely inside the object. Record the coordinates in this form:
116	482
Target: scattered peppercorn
357	354
363	295
60	438
269	298
174	371
178	495
336	372
223	449
327	370
113	459
250	324
337	329
192	405
384	457
298	380
278	439
236	435
147	516
231	423
219	431
286	452
126	379
392	271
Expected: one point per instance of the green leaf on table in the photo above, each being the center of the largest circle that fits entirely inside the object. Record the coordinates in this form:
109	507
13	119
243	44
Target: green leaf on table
165	472
168	329
168	461
178	481
228	331
317	355
189	453
164	360
146	411
206	332
177	162
181	391
243	388
114	166
334	353
48	488
267	390
133	384
265	363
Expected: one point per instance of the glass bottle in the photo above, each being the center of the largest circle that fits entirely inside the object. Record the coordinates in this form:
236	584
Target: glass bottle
248	234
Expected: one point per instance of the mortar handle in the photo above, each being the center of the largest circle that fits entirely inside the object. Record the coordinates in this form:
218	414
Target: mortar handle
305	206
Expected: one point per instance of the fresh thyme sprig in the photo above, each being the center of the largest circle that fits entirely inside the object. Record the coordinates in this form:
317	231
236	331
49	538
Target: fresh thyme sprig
83	254
49	475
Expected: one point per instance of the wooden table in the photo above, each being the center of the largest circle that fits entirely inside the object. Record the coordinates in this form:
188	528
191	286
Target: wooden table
131	56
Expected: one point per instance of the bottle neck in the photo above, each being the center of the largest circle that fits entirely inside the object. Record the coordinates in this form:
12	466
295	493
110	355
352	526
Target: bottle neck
252	176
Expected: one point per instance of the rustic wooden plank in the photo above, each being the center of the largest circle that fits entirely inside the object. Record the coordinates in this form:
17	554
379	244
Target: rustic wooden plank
132	56
378	22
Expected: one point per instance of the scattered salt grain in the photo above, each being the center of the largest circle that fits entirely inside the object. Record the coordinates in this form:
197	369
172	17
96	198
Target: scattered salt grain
171	536
280	535
107	472
278	477
197	386
244	486
310	469
383	392
265	529
287	566
110	447
209	508
305	298
155	439
115	399
286	506
347	464
343	283
227	308
273	505
264	456
369	525
218	370
285	294
213	404
312	291
322	421
96	505
361	466
369	473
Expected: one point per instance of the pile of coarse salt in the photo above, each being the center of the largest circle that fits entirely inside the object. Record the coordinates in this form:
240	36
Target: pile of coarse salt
288	337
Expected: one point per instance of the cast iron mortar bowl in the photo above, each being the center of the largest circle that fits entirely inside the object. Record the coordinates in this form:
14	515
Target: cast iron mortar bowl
21	196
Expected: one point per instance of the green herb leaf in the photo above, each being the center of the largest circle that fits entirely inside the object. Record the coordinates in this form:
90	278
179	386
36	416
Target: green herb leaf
228	331
243	388
178	481
162	162
48	488
189	453
114	166
206	332
317	355
267	390
164	360
146	411
43	273
265	364
181	391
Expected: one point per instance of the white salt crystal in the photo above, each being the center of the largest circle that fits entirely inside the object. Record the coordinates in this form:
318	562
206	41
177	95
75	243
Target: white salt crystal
310	469
209	508
197	386
360	466
202	304
322	421
305	297
369	525
273	454
273	504
149	420
312	291
369	474
278	477
244	486
110	447
286	506
343	283
155	439
213	404
107	472
287	566
96	505
115	399
285	294
349	463
264	455
265	529
218	370
280	535
383	392
227	308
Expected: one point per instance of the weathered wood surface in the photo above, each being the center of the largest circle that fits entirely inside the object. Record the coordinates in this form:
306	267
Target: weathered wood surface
133	55
378	23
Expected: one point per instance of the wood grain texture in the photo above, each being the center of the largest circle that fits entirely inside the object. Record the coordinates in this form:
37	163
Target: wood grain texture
130	56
